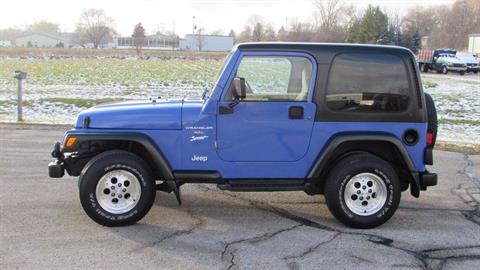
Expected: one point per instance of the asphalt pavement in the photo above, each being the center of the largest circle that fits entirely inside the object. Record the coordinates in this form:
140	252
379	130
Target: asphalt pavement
42	225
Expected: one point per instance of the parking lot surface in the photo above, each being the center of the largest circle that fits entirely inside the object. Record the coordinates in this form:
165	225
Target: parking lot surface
42	225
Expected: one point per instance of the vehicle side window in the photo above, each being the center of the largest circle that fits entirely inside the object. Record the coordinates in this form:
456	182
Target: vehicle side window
368	83
275	78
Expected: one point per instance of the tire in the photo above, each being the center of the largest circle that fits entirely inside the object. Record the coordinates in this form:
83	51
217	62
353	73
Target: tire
462	73
107	180
444	70
378	184
424	68
431	117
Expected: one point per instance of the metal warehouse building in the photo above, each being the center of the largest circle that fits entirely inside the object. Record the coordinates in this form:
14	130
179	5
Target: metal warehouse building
211	43
150	42
45	40
474	44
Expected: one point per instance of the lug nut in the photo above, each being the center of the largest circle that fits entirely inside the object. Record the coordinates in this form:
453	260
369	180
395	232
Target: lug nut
119	184
113	194
120	196
112	187
124	189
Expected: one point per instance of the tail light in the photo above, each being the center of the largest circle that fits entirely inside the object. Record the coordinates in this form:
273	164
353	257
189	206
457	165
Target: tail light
429	138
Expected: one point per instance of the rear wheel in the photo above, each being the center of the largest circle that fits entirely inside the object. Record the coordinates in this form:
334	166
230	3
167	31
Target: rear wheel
363	191
424	68
444	70
116	188
462	73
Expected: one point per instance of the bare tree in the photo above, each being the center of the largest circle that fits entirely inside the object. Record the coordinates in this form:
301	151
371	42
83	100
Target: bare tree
138	38
258	32
262	30
95	27
200	39
245	35
10	34
218	32
44	26
332	18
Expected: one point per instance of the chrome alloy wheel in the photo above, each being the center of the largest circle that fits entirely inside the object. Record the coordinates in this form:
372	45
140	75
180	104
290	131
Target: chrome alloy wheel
365	194
118	191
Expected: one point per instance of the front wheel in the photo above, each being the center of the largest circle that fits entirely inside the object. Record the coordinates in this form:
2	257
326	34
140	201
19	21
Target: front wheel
116	188
363	191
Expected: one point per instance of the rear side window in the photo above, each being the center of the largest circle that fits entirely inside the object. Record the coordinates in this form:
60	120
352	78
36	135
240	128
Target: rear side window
368	83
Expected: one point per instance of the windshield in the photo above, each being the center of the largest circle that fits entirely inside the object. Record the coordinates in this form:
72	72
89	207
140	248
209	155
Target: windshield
206	93
446	55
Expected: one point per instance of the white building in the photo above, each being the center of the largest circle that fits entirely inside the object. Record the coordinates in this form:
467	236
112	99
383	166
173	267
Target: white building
209	43
5	43
43	40
474	44
159	42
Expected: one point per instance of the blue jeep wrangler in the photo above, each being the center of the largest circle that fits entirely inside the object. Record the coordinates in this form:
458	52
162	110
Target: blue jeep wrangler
347	121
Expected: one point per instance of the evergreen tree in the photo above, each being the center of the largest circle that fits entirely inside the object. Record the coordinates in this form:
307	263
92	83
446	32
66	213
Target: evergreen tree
371	28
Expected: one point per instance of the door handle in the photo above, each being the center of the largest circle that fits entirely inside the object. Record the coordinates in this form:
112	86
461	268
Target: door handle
295	112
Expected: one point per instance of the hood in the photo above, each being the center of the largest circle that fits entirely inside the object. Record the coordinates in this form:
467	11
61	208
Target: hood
133	115
453	60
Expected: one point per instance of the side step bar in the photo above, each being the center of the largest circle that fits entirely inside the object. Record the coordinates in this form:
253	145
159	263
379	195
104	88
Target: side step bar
263	185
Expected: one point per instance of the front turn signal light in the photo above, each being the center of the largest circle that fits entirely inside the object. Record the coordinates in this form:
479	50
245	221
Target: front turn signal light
70	142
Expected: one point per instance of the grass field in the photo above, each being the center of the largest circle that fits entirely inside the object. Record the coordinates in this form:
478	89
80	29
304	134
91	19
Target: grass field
56	90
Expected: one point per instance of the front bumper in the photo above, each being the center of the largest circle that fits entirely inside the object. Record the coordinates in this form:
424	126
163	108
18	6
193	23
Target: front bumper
473	68
452	68
56	169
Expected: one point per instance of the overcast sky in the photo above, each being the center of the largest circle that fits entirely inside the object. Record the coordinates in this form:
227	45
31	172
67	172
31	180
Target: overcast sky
165	14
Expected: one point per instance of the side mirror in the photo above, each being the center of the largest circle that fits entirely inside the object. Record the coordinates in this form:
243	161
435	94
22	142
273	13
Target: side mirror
239	88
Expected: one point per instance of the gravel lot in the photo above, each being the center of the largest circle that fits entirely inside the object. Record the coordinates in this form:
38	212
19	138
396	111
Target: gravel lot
42	225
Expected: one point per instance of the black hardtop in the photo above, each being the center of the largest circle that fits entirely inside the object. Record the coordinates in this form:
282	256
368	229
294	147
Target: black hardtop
324	49
324	53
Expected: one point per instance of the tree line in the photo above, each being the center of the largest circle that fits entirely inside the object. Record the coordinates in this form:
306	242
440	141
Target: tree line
94	28
332	21
338	21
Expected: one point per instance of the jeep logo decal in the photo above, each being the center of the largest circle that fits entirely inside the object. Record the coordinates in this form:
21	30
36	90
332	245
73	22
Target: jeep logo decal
196	158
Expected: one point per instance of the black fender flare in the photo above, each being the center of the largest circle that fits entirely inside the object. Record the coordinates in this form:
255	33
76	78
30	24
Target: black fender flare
159	159
327	152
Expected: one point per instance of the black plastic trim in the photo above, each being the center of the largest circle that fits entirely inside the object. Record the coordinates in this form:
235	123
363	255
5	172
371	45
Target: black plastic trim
55	169
160	161
212	177
429	156
263	185
324	156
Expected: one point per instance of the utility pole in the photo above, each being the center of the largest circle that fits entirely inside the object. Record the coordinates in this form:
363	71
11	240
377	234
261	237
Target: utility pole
193	25
20	76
